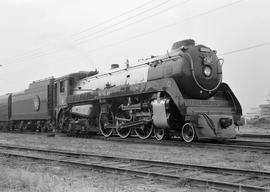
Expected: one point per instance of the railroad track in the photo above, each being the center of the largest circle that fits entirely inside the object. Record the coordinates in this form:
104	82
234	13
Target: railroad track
217	177
229	144
250	135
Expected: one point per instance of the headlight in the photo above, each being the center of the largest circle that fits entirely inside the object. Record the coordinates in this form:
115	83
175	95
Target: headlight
207	71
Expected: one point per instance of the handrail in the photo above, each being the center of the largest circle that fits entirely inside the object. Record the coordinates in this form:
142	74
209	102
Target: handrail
194	77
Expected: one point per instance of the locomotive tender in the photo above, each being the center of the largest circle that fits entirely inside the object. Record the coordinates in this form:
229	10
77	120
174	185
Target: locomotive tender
180	93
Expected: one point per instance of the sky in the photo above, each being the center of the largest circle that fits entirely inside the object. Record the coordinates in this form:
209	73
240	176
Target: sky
44	38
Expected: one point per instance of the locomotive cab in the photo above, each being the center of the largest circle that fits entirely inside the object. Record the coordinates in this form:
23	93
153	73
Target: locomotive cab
64	86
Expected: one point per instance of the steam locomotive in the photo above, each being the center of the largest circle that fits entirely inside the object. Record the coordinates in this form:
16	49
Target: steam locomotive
180	93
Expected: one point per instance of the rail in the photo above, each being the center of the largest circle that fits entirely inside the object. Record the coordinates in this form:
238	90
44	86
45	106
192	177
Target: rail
225	178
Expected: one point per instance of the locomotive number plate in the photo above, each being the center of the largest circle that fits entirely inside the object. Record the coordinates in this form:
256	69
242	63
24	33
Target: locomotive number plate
204	49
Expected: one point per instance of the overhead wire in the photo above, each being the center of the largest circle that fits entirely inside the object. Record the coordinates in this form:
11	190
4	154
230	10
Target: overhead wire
124	20
38	54
113	18
245	49
135	22
166	26
37	50
161	28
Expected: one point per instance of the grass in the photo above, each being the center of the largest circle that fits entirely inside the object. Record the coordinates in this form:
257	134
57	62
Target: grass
15	180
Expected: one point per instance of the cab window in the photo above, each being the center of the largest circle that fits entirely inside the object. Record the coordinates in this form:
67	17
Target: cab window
71	81
62	86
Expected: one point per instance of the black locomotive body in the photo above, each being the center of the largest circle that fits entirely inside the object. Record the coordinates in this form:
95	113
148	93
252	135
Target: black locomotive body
177	94
31	108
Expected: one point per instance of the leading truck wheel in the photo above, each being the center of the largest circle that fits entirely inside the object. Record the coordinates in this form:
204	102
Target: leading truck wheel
105	121
188	133
160	133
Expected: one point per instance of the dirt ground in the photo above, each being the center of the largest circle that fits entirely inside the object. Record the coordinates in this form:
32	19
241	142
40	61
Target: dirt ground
24	175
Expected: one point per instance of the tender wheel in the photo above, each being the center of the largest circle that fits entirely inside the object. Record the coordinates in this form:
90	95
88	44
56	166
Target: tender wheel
145	131
160	133
106	119
188	133
22	126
